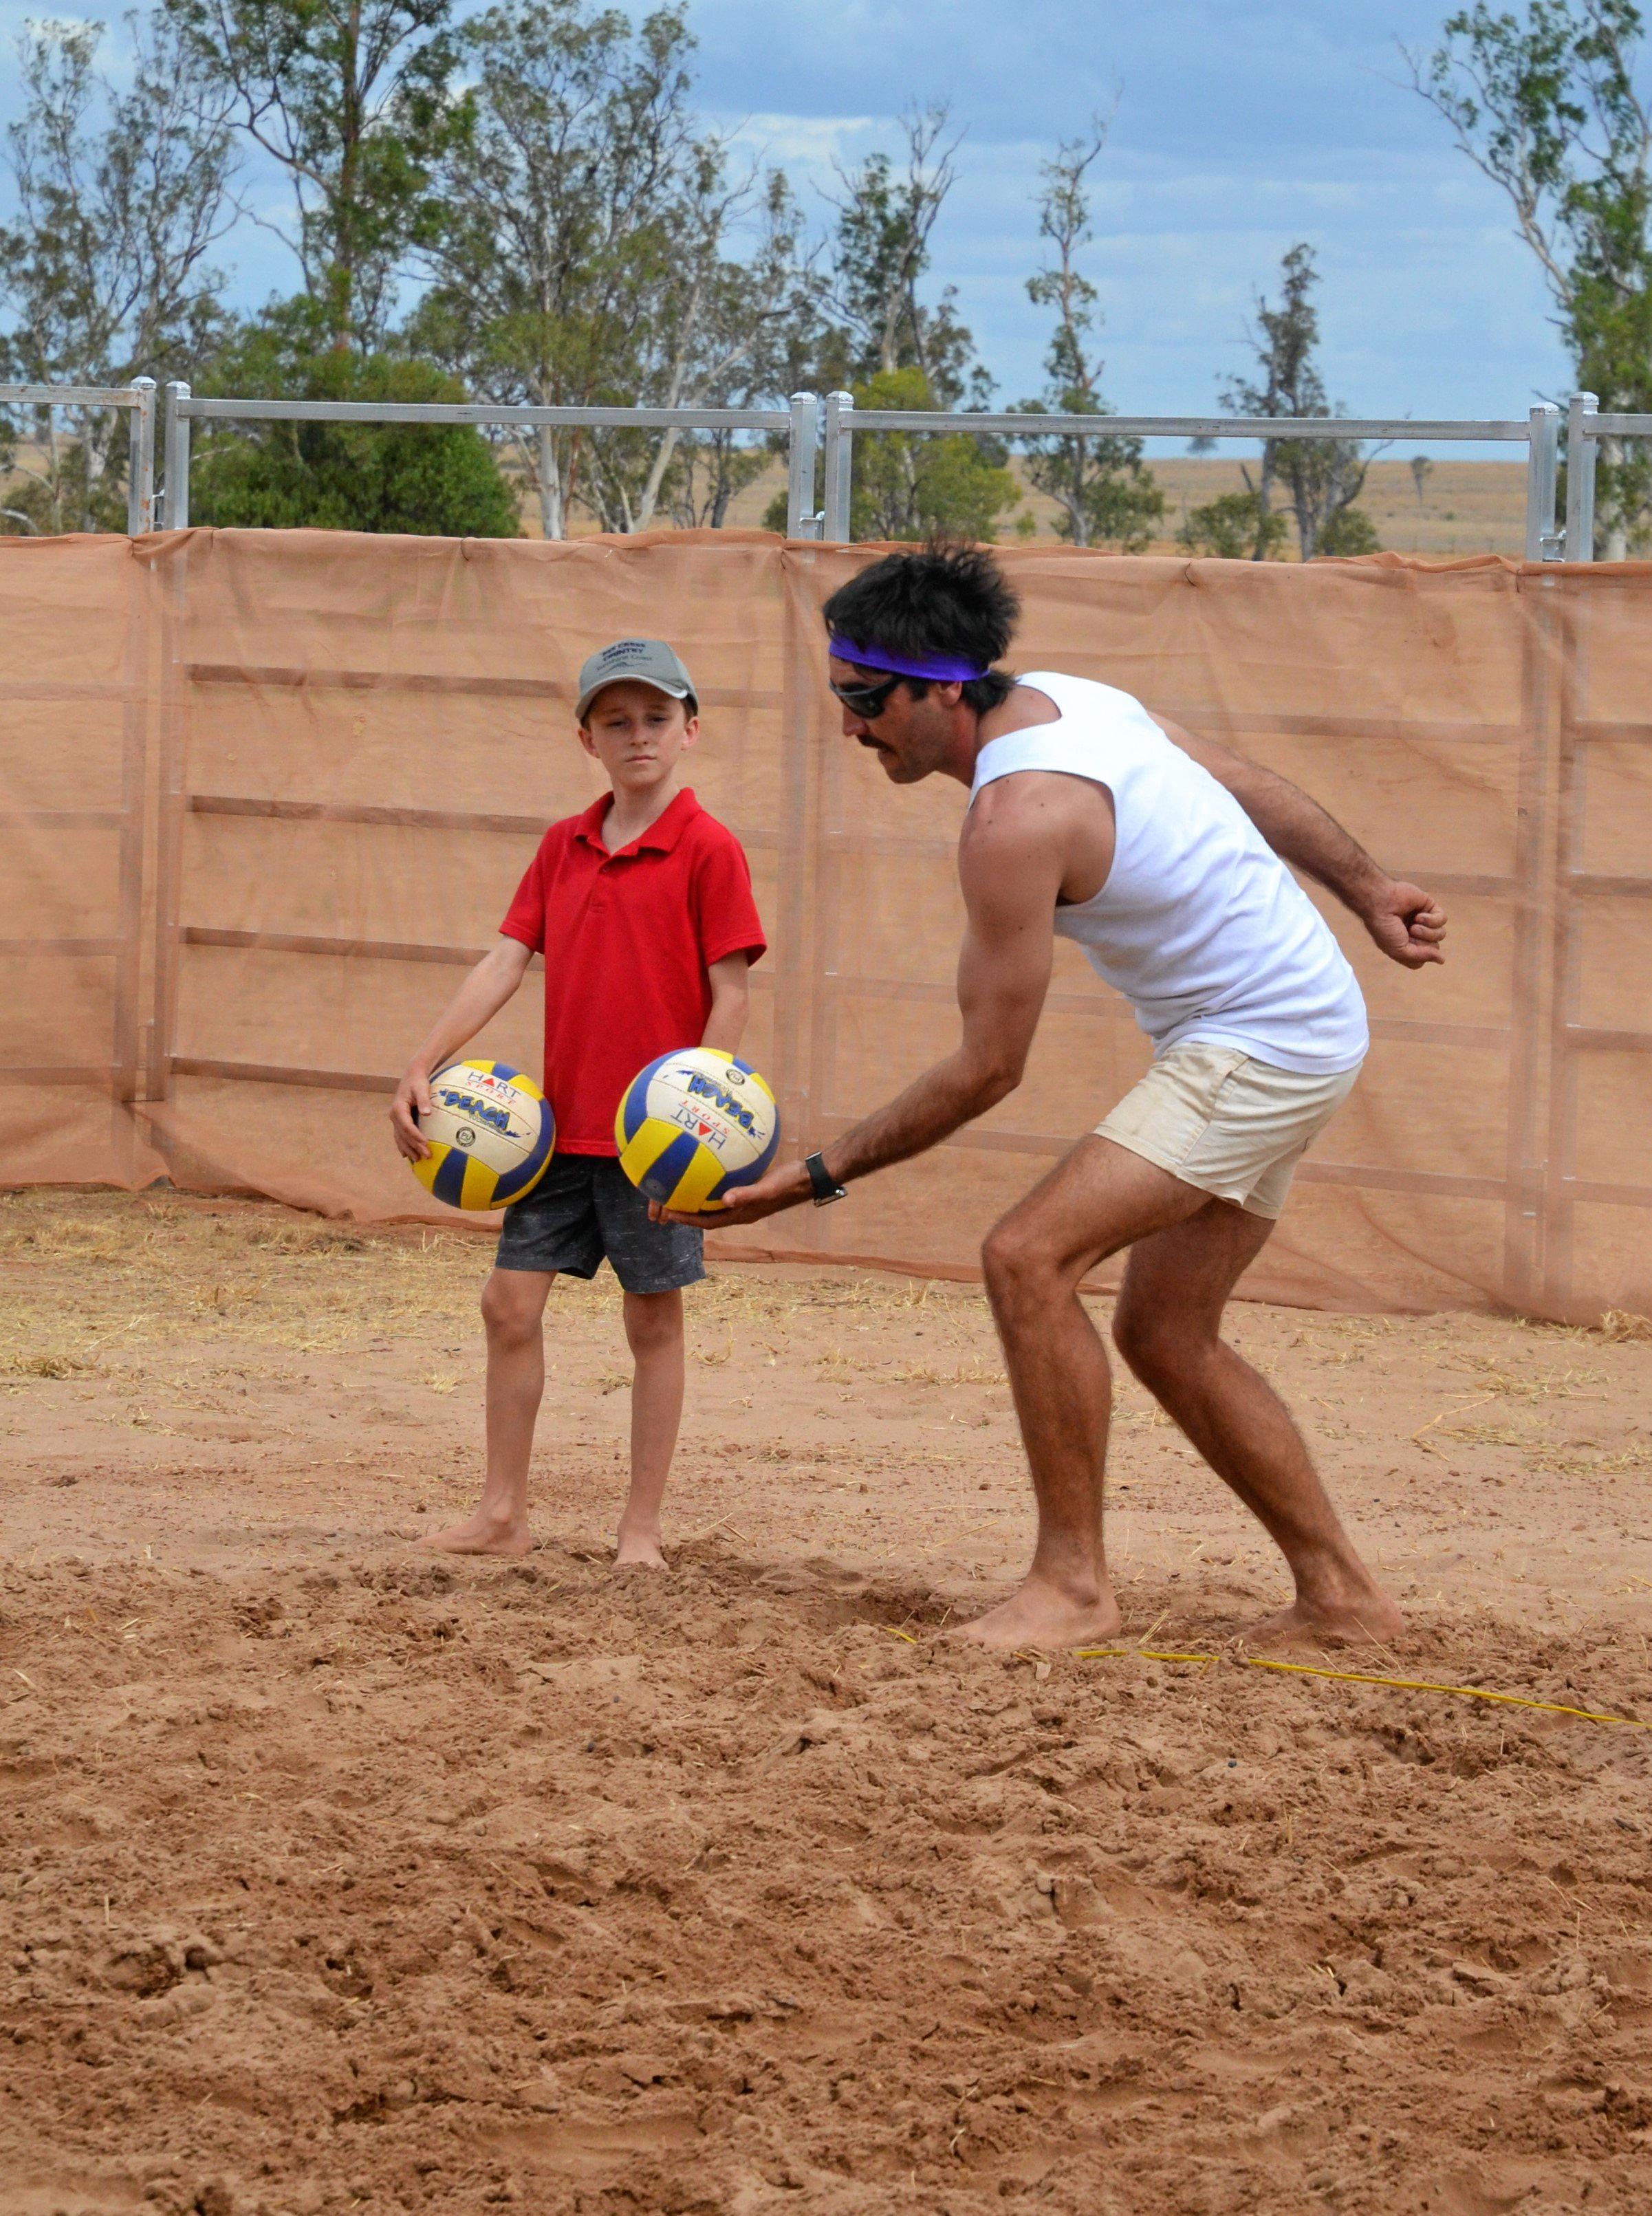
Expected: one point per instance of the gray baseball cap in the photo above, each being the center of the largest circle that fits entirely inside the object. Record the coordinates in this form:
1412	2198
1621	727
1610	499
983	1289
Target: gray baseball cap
641	662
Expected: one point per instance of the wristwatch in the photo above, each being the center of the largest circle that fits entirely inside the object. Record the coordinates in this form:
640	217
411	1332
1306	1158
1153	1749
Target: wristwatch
827	1188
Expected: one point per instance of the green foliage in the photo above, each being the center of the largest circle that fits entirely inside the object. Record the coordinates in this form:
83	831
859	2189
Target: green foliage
584	254
122	191
354	101
1546	105
440	481
1235	527
1104	493
1321	476
1350	531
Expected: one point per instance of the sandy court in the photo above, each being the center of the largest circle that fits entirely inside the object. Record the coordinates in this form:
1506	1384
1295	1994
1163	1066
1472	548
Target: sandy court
336	1877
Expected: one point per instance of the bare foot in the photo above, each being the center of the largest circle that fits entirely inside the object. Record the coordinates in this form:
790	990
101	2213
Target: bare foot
485	1533
1043	1615
1370	1621
640	1543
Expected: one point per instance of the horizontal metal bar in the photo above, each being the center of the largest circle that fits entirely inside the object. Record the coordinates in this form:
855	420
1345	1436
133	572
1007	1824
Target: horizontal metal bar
377	950
87	946
61	1073
1616	427
68	395
290	678
318	812
273	1073
1608	1195
1448	1187
200	411
65	818
1024	425
1589	1038
1590	885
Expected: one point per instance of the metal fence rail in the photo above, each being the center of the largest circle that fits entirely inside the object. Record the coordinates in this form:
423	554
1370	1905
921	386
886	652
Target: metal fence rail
819	438
139	396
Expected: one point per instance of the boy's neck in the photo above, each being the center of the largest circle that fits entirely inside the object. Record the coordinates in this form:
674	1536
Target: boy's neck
631	813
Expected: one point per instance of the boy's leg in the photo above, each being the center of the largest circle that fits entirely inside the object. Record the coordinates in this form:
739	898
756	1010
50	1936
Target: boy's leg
654	1331
513	1309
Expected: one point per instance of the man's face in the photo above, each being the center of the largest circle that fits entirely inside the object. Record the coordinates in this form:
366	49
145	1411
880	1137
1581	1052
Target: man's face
638	733
911	738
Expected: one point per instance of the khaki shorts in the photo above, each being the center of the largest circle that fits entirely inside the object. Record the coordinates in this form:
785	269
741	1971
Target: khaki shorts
1216	1118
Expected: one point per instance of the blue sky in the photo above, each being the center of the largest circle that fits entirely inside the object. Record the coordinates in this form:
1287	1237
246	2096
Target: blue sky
1238	129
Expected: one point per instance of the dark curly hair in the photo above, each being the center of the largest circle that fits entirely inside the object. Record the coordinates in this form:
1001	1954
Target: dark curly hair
938	599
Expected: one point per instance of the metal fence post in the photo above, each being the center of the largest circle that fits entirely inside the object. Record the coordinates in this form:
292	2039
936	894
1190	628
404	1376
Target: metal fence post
1581	452
839	458
140	459
174	490
1543	542
801	519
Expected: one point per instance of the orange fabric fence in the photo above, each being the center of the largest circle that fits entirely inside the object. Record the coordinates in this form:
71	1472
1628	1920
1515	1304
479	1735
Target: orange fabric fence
264	795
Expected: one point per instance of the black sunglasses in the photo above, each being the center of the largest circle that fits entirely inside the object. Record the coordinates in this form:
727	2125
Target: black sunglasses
866	700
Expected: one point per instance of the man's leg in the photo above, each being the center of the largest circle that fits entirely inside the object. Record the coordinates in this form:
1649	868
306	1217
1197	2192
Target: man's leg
1096	1200
513	1308
1167	1325
654	1330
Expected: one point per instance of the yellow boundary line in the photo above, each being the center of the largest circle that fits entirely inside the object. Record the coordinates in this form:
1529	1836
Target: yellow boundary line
1346	1678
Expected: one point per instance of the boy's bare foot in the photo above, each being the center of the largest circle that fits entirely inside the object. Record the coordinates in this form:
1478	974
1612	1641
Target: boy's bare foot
640	1542
484	1533
1370	1620
1042	1615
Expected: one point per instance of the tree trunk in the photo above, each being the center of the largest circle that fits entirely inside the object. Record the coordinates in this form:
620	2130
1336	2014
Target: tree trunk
553	521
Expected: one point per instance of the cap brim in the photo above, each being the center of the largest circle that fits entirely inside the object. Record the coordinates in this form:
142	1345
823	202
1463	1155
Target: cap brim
671	691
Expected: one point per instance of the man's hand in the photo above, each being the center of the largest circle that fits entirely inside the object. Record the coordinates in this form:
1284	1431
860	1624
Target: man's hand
412	1098
788	1186
1406	923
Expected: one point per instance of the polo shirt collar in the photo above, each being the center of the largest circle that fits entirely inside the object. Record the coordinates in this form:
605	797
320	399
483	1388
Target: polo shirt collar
662	835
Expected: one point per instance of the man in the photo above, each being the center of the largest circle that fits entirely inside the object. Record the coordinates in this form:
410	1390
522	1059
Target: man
1163	855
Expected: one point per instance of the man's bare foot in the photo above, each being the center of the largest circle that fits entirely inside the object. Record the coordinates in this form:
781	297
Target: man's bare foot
485	1533
1042	1615
640	1543
1370	1621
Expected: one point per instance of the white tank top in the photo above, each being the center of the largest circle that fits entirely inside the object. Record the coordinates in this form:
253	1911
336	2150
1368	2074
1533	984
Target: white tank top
1200	924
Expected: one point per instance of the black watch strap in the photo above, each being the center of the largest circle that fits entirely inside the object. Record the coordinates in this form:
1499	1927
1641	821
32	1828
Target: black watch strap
827	1188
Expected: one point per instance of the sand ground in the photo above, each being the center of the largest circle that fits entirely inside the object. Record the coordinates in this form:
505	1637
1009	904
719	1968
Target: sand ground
337	1878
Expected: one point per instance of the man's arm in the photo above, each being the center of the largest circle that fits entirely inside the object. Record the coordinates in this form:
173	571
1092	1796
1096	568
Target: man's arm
1010	867
1405	922
479	999
730	1003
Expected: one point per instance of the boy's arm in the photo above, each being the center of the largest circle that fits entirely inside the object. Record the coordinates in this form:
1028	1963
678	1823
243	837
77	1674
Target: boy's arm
481	995
730	1003
1403	920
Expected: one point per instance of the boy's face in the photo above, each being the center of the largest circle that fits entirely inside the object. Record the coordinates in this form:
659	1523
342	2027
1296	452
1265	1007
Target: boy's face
638	733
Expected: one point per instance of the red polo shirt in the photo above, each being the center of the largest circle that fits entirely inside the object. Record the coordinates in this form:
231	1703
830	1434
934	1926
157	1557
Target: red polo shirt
628	940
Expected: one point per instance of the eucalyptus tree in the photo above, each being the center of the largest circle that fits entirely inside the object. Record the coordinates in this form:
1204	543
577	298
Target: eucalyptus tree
124	187
1103	490
1555	106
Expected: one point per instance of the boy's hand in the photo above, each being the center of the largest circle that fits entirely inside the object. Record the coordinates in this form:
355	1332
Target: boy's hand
785	1187
412	1098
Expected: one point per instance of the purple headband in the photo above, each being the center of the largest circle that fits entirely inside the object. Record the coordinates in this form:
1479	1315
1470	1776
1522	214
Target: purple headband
945	668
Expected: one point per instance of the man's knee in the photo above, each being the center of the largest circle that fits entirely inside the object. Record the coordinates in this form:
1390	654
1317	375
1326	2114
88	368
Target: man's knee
653	1321
512	1302
1157	1343
1016	1263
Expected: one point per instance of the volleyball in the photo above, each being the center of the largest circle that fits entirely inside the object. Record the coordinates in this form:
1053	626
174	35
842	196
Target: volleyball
492	1134
694	1122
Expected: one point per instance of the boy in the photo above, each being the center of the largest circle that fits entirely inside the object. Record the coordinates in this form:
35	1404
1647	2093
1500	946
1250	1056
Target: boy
643	908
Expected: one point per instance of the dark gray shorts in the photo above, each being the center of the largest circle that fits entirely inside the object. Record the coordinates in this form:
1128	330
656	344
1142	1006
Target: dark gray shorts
585	1206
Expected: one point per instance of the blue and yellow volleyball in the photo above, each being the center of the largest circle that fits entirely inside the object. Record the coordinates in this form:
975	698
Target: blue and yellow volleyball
694	1122
492	1134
